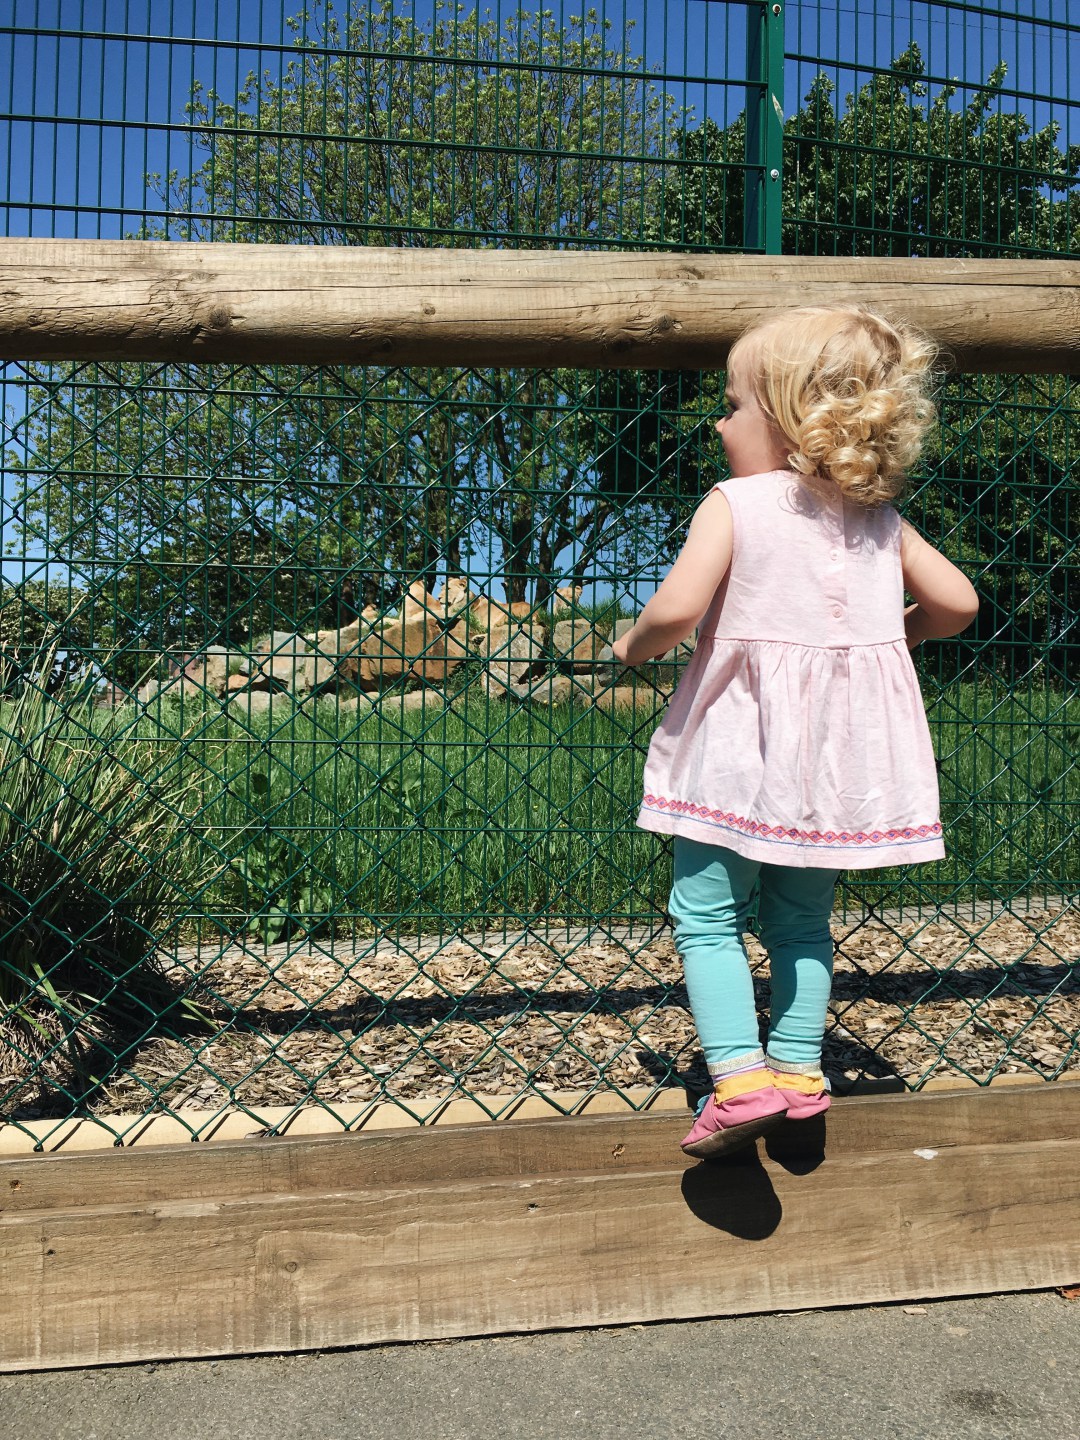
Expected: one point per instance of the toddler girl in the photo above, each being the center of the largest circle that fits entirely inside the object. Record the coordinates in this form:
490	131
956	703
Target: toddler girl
796	744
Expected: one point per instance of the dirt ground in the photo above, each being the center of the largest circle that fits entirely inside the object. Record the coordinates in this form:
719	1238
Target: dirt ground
353	1022
912	1000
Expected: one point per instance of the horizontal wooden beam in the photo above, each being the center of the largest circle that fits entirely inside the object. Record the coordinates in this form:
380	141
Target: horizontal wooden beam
288	304
245	1247
187	1123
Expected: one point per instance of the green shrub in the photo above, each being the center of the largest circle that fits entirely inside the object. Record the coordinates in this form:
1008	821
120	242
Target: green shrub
93	851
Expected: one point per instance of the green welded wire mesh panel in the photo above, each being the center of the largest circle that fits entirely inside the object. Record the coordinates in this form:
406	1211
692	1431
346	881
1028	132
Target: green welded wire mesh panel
317	784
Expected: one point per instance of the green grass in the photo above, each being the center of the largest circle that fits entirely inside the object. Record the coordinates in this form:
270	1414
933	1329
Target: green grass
445	820
128	834
329	821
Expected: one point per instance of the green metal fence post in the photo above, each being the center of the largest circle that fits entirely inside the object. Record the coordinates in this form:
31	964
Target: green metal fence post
764	128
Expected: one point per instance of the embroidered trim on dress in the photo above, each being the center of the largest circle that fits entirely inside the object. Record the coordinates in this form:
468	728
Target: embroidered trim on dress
784	835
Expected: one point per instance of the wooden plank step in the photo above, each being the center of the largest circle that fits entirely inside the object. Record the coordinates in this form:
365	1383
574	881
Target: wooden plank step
600	1144
248	1247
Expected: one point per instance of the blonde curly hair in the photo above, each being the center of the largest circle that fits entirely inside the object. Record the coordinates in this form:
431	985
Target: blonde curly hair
847	388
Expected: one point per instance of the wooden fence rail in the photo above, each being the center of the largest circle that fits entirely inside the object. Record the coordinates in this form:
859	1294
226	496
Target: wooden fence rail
163	300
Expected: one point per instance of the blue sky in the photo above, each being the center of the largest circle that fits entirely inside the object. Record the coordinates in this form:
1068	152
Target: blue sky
92	92
74	167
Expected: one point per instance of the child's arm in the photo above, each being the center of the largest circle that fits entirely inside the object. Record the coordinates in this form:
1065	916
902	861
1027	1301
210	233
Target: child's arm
945	599
684	595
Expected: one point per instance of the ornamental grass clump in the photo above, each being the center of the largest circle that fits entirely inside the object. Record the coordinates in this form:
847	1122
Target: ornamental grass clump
93	854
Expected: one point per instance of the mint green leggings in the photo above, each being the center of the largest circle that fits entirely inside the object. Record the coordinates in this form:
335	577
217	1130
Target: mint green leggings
709	903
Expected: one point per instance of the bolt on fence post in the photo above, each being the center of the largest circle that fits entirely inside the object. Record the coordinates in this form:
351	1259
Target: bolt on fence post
764	128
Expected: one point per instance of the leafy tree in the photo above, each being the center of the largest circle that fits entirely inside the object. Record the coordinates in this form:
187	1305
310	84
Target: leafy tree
384	132
888	175
237	499
893	176
198	503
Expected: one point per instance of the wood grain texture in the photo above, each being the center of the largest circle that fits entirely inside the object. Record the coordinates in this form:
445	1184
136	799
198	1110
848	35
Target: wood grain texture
595	1145
248	1275
350	1241
184	1124
167	300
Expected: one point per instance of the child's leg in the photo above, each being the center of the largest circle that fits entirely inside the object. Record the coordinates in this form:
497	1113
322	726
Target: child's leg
794	916
794	921
708	905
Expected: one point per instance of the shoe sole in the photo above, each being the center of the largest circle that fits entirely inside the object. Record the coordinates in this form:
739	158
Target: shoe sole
733	1137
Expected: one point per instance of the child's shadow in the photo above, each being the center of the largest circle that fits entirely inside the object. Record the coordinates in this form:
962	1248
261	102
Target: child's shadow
798	1145
735	1193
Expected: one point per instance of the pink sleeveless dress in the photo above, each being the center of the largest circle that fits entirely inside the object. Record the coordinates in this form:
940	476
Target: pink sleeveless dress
797	734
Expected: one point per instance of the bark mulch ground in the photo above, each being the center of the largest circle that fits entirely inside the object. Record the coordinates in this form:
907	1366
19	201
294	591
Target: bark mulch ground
911	1000
346	1022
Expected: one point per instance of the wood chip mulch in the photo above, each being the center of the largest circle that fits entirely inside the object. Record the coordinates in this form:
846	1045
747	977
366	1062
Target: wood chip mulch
306	1024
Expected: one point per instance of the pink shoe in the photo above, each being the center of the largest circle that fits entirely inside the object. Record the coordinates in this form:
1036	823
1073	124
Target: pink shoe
804	1095
740	1109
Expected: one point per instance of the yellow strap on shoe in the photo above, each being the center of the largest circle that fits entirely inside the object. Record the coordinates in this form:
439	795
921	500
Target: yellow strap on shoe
727	1089
801	1084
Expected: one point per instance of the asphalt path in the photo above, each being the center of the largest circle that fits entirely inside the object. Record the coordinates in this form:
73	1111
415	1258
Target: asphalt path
989	1368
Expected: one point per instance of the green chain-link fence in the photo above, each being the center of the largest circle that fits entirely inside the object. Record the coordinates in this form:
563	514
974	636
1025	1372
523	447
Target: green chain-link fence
318	783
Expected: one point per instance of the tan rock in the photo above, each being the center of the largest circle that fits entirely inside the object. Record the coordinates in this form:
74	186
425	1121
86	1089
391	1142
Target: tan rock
349	637
387	654
443	655
463	635
418	700
551	690
349	667
346	704
620	696
408	647
240	683
545	689
177	690
595	681
253	702
209	669
278	655
319	671
489	644
513	656
339	649
577	643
